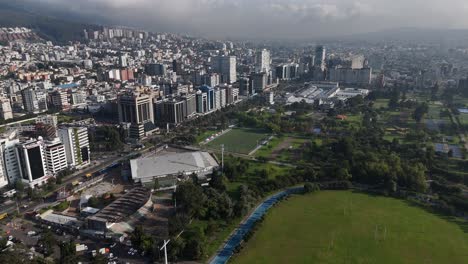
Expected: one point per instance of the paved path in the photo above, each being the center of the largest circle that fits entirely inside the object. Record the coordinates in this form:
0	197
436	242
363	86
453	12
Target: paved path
237	236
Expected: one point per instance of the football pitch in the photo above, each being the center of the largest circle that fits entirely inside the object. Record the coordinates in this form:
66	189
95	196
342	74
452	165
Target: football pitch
239	140
346	227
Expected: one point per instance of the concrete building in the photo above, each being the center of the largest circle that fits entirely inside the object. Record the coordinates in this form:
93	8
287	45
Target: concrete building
156	69
32	163
76	143
56	158
170	111
210	94
59	100
190	105
351	76
226	66
263	61
202	102
212	79
259	81
320	57
34	101
136	108
9	160
5	109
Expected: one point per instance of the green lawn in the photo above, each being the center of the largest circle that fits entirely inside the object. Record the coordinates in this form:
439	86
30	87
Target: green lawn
463	119
381	103
239	140
346	227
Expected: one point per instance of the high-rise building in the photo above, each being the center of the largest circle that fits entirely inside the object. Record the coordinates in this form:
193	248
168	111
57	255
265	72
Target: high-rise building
76	143
170	111
358	62
136	108
246	86
5	109
177	67
9	160
320	56
226	66
210	93
351	76
202	102
32	163
59	100
123	61
190	105
56	158
263	61
156	69
211	80
259	81
34	101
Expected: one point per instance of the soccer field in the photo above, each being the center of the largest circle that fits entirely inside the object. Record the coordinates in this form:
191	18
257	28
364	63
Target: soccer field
239	140
346	227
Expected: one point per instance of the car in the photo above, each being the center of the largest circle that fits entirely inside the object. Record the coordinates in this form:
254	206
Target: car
113	245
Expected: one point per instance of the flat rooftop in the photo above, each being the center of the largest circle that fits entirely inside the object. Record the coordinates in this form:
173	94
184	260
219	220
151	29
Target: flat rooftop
170	164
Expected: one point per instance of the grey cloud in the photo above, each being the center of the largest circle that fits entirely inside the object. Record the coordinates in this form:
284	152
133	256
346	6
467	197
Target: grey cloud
272	18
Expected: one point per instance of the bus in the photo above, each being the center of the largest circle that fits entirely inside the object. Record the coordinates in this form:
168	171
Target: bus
3	216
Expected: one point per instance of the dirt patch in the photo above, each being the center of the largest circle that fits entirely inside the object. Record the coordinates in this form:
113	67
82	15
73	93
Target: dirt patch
285	144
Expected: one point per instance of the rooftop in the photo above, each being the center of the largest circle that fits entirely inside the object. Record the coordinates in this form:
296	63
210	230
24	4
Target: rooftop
171	164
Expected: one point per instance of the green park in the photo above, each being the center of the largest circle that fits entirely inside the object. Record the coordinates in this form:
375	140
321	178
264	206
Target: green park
348	227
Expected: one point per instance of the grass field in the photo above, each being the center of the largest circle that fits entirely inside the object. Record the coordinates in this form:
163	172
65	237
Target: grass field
346	227
239	140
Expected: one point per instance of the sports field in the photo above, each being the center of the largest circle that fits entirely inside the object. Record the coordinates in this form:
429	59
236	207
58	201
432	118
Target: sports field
239	140
346	227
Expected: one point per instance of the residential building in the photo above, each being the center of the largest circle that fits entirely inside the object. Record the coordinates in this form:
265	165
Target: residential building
56	159
76	143
5	109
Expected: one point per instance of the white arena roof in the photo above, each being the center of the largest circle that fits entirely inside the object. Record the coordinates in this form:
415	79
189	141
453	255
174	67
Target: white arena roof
146	169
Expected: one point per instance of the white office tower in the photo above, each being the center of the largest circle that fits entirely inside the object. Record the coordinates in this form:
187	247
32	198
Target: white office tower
56	159
32	163
123	61
76	142
320	56
263	61
226	66
9	159
358	62
5	109
3	174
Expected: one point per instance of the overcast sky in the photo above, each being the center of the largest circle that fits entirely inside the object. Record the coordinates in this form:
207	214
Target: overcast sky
273	19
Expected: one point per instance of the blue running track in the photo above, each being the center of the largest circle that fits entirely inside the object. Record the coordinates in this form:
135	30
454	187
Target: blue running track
236	238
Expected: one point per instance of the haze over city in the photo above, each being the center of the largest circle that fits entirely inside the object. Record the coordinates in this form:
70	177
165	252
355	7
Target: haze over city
268	19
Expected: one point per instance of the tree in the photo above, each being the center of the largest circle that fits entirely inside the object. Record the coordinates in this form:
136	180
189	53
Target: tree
311	187
48	242
394	99
68	253
19	187
190	199
420	111
141	240
99	259
156	185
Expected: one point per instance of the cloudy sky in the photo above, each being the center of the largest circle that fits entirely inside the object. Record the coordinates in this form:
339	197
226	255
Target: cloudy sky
272	19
